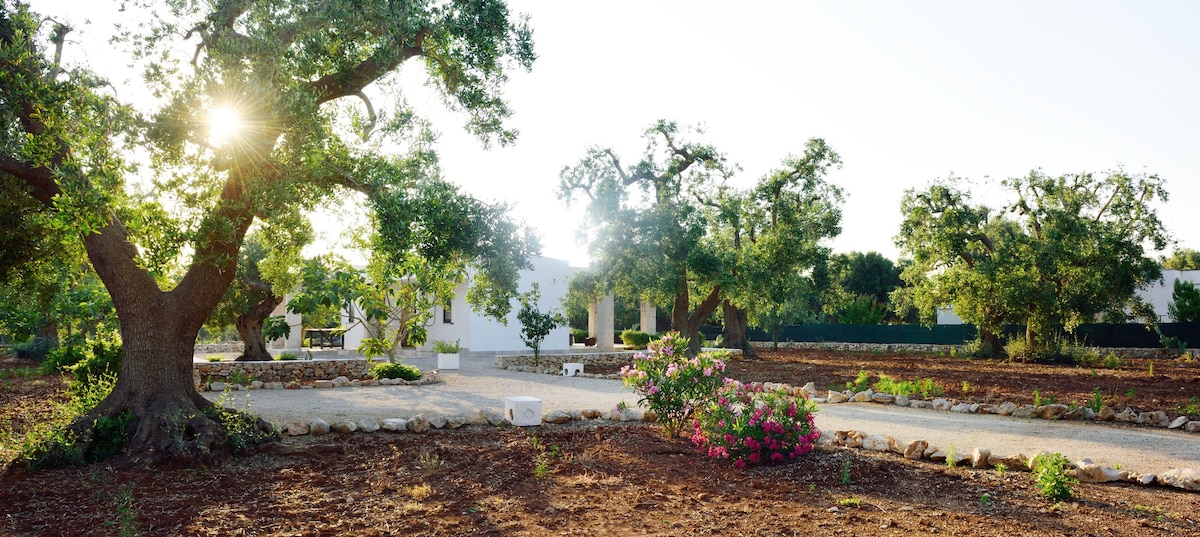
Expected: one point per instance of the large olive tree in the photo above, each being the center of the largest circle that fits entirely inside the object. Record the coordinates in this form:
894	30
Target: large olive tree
301	76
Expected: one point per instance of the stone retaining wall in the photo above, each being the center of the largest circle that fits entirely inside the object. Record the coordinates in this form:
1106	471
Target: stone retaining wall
552	363
210	348
283	370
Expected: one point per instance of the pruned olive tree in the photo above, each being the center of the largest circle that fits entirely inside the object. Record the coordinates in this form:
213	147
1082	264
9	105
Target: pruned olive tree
1068	250
301	77
646	231
670	228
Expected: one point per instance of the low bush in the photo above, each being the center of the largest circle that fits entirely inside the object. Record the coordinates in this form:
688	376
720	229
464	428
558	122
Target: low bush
103	358
671	384
287	356
35	349
446	347
635	339
579	334
926	387
387	370
59	359
753	426
1050	474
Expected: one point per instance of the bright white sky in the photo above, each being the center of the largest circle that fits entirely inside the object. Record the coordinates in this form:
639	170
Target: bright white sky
906	92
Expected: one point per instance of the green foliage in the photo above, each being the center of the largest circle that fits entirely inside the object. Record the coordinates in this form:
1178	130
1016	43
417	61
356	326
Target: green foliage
241	428
978	348
51	443
1182	259
1050	475
276	327
446	347
298	76
846	466
1069	250
926	387
109	436
579	334
37	348
287	356
60	359
1185	303
103	359
395	371
669	227
1097	400
1192	408
863	310
239	376
536	325
753	426
671	384
860	382
635	339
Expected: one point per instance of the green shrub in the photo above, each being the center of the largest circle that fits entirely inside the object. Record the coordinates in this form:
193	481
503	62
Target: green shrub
1050	474
635	339
976	348
926	387
579	334
287	356
447	347
1015	350
395	371
60	359
35	349
104	358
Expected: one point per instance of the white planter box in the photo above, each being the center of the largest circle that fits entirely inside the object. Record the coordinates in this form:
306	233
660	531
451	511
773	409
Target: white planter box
447	361
523	411
572	369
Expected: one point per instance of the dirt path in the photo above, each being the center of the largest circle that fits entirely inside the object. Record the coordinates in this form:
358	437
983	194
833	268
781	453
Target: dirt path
479	385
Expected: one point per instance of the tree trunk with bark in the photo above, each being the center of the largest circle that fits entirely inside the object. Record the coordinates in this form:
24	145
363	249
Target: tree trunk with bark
688	322
250	329
735	329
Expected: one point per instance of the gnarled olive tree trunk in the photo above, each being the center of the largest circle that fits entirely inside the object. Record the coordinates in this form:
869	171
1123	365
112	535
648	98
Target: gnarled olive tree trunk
735	329
250	329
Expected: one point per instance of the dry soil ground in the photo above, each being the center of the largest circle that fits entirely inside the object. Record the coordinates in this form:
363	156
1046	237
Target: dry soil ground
594	479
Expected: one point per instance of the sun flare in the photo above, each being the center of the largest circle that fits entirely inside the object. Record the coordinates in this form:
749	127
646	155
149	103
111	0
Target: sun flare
224	123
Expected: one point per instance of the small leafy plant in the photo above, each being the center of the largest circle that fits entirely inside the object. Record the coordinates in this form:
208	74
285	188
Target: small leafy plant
387	370
287	356
846	472
1192	408
216	358
861	382
429	463
1050	474
671	384
850	502
447	347
635	339
1097	400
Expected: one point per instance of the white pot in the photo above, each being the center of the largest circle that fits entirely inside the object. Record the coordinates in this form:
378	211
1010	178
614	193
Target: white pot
447	361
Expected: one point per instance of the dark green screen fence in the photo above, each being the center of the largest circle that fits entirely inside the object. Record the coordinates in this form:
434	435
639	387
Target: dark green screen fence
1099	335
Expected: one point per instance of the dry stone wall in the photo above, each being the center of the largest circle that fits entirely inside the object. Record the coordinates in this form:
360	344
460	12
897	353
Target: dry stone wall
303	371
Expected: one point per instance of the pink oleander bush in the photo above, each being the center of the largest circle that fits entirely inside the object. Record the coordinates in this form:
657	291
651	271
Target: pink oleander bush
672	385
754	426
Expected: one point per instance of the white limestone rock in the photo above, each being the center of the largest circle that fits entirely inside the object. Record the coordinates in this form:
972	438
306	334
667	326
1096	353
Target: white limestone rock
455	421
318	427
1179	422
1181	478
394	425
368	425
418	424
437	422
942	404
980	458
836	397
915	450
1006	408
1024	412
218	386
961	408
296	428
344	426
883	398
1087	471
557	416
878	442
1052	412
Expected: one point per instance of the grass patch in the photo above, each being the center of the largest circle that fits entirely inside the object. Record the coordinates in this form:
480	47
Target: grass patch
926	387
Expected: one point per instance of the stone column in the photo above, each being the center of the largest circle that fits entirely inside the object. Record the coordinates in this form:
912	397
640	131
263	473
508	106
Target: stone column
649	323
600	322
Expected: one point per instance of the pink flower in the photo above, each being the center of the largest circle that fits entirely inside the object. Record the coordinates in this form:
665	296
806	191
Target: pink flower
777	456
753	458
708	371
739	464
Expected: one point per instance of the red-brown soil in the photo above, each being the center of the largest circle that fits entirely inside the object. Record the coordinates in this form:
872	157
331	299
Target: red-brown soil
597	478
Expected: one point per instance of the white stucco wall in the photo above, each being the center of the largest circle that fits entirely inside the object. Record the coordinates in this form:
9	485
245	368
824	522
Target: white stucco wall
477	333
1159	295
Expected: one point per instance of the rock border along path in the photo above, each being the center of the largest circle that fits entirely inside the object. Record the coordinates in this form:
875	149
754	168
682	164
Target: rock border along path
475	395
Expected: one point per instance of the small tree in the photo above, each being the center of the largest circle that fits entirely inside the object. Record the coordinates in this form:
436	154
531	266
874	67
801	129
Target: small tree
536	325
1185	303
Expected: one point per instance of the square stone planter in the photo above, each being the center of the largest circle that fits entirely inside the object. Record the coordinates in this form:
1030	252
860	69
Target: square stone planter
447	361
572	369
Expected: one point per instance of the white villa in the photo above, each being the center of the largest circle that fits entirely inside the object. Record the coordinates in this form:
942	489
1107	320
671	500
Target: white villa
478	334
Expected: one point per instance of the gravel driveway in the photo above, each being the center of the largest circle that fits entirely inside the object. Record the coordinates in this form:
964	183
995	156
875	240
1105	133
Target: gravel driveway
479	385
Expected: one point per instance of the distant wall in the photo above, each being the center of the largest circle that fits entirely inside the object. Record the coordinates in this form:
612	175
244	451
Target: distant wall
283	370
